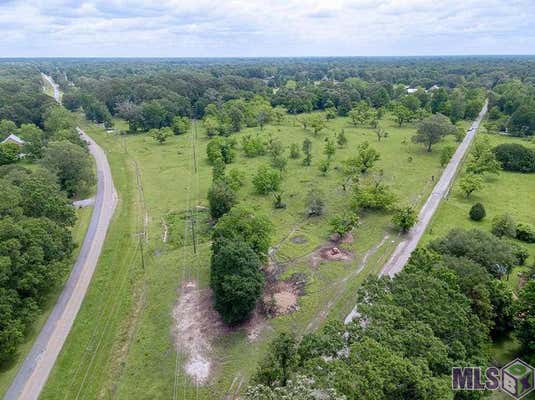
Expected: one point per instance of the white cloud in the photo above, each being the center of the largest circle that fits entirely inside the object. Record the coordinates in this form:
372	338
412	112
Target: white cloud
265	28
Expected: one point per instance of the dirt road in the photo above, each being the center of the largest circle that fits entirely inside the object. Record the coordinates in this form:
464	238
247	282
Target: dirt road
34	372
403	251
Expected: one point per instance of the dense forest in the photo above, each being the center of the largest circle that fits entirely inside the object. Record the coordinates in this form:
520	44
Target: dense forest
38	179
151	93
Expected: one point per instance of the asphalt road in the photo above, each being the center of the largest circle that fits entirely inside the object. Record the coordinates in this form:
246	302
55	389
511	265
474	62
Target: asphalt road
36	368
403	251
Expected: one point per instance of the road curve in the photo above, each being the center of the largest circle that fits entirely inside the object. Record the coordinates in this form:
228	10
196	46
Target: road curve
33	373
403	251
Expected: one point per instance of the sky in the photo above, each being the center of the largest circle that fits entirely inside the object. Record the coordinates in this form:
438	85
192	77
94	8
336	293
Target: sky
265	28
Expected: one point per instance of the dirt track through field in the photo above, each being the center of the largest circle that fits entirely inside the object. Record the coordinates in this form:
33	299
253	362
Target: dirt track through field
403	251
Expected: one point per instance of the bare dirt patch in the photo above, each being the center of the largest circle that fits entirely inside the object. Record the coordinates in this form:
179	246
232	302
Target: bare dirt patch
196	324
299	239
281	297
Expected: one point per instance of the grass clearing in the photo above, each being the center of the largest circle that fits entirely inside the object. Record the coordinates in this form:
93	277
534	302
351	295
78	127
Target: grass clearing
121	344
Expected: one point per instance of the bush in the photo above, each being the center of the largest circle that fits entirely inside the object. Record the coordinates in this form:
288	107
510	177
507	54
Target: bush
405	218
525	233
477	212
266	180
221	198
253	146
504	225
373	197
220	148
342	224
235	179
294	151
520	252
515	157
315	203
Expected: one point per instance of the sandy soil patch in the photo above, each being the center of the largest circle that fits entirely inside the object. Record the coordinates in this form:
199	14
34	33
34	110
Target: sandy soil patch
281	297
196	324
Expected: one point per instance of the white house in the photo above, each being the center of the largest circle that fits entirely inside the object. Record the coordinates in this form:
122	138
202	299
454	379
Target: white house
14	139
411	90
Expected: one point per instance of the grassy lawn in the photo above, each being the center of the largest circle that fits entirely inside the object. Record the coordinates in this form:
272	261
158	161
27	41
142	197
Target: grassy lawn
121	344
508	192
7	374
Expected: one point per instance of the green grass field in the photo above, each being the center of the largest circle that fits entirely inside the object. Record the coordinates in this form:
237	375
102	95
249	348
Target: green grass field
507	192
7	374
121	345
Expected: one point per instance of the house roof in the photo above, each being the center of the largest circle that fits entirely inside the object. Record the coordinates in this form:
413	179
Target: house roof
15	139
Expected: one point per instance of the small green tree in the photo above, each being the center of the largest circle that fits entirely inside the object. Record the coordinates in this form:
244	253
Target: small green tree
361	113
9	153
341	139
503	225
404	218
431	130
180	125
315	203
330	149
445	155
482	159
477	212
294	151
218	169
366	157
324	167
470	183
344	223
221	198
317	123
402	113
266	180
160	135
307	150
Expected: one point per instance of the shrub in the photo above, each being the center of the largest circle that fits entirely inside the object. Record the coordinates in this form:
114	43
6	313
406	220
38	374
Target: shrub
235	179
220	148
315	203
520	252
515	157
525	233
294	151
253	146
404	218
477	212
504	225
342	224
221	198
373	196
266	180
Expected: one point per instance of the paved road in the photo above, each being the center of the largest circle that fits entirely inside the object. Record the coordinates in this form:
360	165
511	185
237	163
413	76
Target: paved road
34	372
403	251
55	87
